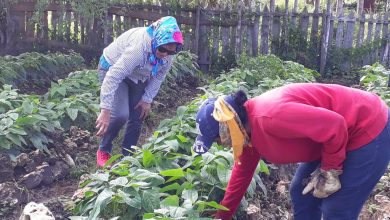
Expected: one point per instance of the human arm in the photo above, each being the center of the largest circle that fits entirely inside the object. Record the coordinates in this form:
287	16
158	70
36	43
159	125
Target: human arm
155	82
239	181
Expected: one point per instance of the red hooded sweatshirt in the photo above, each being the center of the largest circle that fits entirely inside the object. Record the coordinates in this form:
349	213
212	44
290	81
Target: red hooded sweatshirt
304	123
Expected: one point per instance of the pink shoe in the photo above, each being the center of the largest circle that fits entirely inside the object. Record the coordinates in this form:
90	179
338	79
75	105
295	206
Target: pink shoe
102	157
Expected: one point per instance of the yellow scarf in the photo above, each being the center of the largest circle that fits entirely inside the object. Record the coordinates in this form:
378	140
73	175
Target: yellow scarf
232	127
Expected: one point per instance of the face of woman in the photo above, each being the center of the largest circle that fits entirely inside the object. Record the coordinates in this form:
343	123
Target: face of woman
165	50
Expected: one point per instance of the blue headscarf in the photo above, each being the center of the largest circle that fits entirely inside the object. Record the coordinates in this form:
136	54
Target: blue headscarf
163	31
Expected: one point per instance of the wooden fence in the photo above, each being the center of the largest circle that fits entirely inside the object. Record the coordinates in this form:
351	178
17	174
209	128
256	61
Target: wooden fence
216	36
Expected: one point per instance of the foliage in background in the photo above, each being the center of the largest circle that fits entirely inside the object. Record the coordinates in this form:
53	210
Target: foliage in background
375	79
164	179
36	66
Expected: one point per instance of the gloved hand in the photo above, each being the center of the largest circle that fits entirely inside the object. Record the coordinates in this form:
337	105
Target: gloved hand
324	183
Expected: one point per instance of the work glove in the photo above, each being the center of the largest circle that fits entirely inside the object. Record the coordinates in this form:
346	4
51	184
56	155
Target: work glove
323	183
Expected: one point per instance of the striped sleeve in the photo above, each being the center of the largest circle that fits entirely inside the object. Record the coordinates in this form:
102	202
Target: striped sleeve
154	83
127	62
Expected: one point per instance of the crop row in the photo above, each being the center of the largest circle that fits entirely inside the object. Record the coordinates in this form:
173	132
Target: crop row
164	179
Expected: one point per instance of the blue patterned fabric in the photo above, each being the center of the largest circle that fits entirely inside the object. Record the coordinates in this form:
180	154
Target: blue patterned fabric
163	31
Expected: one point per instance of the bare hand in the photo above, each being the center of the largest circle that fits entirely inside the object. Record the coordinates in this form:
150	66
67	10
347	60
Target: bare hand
145	109
102	122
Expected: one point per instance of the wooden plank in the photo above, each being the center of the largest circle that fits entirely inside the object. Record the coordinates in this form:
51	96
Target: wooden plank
294	13
325	37
348	40
314	29
304	23
126	23
68	22
82	30
203	54
369	29
265	31
215	33
30	27
225	39
60	27
359	6
134	22
275	33
54	24
339	31
360	36
255	32
378	29
45	26
197	29
108	29
232	36
238	45
385	37
118	26
76	28
339	7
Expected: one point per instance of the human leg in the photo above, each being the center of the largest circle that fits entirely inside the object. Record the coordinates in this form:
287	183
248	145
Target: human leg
119	116
304	206
134	123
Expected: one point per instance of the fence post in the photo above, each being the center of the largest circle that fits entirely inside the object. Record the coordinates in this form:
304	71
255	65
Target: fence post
203	53
225	35
385	39
294	13
264	32
325	37
376	43
304	23
340	30
367	58
275	32
237	49
197	26
348	40
255	33
314	29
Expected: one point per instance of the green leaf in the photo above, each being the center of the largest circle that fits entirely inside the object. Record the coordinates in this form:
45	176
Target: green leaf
19	131
101	202
150	200
148	158
172	143
264	167
172	200
216	205
27	107
190	197
173	172
112	159
182	138
131	197
181	110
14	138
72	113
173	186
223	174
120	181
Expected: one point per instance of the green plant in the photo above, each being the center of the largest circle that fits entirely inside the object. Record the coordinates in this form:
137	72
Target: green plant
164	175
375	79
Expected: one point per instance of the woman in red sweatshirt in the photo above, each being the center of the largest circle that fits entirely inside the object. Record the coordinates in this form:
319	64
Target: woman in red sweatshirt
339	135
